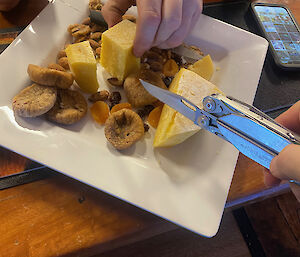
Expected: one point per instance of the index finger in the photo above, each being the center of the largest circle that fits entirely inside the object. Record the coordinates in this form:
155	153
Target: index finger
149	18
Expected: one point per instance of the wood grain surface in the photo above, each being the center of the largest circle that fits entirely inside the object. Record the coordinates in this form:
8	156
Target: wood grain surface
277	224
11	163
183	243
61	217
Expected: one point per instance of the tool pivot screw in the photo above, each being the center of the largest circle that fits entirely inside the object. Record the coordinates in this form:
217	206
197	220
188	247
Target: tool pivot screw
203	121
209	104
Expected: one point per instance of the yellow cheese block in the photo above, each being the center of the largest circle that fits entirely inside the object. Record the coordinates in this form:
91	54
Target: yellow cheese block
204	67
83	65
116	50
173	128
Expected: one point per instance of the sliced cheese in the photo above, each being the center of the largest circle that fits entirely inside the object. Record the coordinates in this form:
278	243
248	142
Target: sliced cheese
174	128
116	50
204	67
83	65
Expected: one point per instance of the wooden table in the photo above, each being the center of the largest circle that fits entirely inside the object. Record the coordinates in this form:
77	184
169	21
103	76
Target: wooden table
58	216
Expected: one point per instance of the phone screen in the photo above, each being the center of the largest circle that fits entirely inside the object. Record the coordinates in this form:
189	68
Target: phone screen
281	32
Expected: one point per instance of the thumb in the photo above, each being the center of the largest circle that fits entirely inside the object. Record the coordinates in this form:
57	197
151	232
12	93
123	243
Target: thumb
113	10
286	165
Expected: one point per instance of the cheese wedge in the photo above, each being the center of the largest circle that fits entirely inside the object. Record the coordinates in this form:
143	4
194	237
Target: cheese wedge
204	67
116	50
174	128
83	65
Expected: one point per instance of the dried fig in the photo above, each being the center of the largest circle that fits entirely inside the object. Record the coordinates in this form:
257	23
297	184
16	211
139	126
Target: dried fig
136	93
123	128
70	107
49	77
55	66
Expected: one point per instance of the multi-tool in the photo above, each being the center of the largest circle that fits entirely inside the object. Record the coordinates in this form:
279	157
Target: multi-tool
251	131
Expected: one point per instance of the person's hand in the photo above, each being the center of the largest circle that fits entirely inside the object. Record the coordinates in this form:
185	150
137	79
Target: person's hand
286	166
6	5
162	23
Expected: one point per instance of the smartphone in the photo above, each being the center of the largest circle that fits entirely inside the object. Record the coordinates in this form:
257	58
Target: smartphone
280	28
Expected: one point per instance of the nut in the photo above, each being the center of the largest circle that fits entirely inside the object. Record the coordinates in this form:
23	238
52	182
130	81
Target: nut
98	51
96	36
115	82
95	4
61	53
79	30
129	17
152	56
71	27
86	21
123	128
80	39
94	44
156	66
97	28
99	96
156	50
63	62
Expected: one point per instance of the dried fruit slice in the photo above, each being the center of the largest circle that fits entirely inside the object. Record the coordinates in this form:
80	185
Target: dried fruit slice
100	112
70	107
120	106
170	68
34	100
123	128
154	116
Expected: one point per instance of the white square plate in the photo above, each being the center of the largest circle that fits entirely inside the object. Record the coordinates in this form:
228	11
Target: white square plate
187	184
